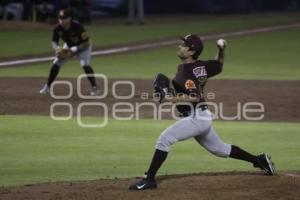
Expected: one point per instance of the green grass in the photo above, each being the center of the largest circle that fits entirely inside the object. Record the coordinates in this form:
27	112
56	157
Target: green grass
31	153
36	38
260	56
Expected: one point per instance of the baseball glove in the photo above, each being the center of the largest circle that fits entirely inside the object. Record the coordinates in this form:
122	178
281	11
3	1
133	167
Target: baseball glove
162	86
63	53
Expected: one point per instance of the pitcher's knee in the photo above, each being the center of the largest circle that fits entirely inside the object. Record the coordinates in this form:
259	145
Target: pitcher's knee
84	63
221	151
164	143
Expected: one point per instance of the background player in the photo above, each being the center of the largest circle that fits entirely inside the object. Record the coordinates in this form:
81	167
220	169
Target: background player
76	43
190	81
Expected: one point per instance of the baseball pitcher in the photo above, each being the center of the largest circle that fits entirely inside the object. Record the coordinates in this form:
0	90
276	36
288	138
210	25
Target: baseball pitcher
196	122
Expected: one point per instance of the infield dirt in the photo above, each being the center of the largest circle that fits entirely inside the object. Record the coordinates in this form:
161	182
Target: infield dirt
280	99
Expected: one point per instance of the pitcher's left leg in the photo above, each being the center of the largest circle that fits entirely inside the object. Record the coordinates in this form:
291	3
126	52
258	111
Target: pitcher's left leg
181	130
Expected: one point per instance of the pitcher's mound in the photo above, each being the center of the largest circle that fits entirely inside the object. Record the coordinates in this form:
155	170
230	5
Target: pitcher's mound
219	186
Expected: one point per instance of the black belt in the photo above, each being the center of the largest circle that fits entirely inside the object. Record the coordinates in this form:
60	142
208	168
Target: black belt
188	113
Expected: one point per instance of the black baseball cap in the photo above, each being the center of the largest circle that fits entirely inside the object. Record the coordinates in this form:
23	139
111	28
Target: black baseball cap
64	14
194	43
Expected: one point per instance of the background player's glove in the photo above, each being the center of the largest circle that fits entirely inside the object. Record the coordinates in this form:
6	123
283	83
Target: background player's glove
63	53
162	86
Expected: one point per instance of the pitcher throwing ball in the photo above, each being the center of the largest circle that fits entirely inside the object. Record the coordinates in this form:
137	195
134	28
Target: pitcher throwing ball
76	43
196	121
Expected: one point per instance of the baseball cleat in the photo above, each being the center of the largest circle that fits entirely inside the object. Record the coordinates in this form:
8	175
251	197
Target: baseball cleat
94	91
45	89
264	163
144	184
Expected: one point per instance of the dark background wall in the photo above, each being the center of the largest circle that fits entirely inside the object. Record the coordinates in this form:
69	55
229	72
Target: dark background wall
219	6
119	7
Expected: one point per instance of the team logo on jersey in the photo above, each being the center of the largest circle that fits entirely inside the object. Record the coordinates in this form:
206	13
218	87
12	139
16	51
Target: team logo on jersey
84	35
189	84
200	71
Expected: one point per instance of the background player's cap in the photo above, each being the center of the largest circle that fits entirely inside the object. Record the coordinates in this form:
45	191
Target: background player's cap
193	42
64	14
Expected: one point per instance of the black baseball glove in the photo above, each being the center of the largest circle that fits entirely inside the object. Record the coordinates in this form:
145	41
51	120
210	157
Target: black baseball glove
162	86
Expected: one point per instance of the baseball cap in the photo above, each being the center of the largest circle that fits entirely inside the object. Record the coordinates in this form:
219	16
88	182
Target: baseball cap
64	14
193	42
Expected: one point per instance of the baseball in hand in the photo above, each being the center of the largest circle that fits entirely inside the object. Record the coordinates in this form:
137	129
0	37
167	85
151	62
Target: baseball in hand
221	43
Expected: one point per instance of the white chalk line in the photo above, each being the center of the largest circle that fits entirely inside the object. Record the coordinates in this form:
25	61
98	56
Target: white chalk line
155	44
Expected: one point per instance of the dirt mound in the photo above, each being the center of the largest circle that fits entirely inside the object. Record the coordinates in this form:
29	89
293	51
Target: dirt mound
234	185
279	98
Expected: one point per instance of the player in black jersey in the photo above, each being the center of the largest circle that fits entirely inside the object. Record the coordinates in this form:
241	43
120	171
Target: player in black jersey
76	43
189	83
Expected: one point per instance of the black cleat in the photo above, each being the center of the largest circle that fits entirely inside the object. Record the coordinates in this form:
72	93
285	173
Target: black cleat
144	184
264	163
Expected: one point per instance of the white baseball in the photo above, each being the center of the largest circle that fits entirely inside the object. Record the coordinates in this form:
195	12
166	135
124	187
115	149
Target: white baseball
221	43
